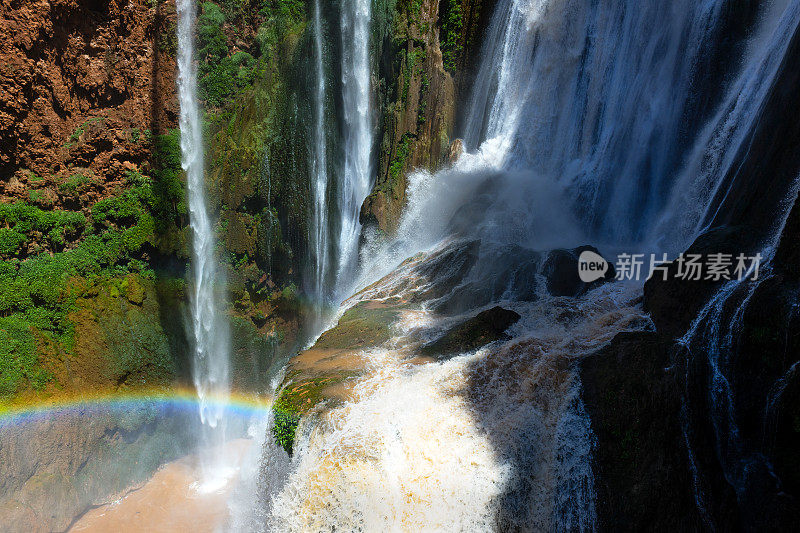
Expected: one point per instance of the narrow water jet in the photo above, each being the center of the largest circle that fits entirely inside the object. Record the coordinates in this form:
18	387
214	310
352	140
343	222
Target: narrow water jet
319	170
357	176
210	332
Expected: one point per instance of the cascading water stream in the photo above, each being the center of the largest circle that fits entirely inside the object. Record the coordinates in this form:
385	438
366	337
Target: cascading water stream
602	95
356	182
319	171
210	334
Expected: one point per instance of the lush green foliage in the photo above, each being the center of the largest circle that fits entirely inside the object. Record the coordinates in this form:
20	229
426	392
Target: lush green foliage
284	428
75	184
24	221
398	164
221	74
18	359
224	70
168	198
452	27
37	291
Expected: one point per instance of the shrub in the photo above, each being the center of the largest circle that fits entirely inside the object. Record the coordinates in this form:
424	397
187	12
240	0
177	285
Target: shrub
284	429
10	241
23	218
18	361
168	196
75	183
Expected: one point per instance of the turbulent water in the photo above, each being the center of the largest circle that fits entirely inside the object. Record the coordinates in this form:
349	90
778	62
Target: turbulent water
492	438
579	132
210	364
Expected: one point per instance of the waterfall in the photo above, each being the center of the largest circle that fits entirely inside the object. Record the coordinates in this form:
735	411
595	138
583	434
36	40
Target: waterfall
210	335
596	97
319	171
714	335
356	180
584	126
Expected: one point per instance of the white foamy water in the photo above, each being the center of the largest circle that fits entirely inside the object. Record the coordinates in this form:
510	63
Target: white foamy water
209	330
493	438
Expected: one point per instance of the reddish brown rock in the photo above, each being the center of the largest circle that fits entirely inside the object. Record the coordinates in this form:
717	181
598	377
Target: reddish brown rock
82	84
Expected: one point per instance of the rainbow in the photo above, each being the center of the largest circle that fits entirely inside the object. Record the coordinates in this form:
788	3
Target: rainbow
175	398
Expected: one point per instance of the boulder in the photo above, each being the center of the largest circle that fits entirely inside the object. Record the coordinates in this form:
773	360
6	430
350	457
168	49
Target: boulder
674	303
485	327
561	271
632	393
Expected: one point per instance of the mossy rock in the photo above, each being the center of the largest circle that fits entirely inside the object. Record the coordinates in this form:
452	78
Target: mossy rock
296	399
120	336
485	327
364	325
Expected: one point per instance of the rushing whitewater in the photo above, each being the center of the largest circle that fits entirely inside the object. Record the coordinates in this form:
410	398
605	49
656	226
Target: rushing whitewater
578	132
210	363
494	437
357	178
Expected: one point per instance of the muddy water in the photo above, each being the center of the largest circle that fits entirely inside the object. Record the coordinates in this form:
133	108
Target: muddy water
173	500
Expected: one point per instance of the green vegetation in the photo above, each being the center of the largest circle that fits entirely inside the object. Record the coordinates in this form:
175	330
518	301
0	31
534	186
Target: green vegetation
257	149
37	292
80	130
11	240
400	159
18	359
452	26
23	221
296	399
226	71
168	196
220	75
284	428
75	184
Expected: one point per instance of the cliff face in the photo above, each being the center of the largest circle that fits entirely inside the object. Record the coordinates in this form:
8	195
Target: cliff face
93	201
727	463
425	62
82	87
86	99
79	461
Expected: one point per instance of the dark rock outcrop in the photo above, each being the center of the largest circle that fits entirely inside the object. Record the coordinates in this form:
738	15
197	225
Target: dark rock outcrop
562	274
674	302
732	391
485	327
632	390
513	272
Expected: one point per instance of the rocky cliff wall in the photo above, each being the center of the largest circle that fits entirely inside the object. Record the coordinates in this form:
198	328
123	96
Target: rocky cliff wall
667	452
426	55
93	191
